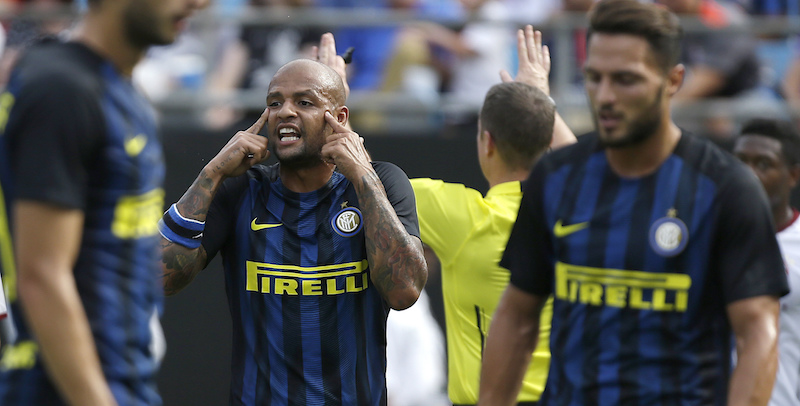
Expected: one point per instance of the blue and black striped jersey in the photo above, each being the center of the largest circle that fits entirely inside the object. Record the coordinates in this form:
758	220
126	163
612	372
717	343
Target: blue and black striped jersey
76	134
309	327
641	271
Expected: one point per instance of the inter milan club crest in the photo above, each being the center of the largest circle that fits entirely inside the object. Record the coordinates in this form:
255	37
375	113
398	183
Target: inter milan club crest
347	222
669	235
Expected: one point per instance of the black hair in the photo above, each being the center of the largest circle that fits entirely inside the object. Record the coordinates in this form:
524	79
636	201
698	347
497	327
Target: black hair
520	118
783	131
658	26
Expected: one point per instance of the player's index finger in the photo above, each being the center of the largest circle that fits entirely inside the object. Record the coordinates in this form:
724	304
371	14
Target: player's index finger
337	126
259	124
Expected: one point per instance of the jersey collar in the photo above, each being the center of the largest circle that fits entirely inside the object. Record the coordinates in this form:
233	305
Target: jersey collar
506	188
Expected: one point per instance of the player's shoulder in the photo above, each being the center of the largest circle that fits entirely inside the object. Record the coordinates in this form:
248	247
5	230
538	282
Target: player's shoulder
387	168
77	68
436	189
389	173
572	154
711	161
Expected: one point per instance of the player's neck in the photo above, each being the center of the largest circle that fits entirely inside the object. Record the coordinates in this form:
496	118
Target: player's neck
106	36
507	176
304	180
645	158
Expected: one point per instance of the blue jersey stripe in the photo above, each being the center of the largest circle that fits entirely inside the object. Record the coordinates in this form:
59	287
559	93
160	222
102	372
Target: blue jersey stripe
585	203
553	190
348	349
376	348
291	307
309	307
615	257
328	252
630	325
243	347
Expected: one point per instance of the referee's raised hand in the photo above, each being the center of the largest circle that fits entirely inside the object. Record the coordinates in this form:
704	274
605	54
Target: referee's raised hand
533	59
326	53
245	149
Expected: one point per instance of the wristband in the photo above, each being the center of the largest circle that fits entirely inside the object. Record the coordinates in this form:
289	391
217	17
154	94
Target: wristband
180	230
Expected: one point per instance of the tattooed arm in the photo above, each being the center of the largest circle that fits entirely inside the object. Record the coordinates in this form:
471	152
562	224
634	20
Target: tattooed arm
397	264
181	264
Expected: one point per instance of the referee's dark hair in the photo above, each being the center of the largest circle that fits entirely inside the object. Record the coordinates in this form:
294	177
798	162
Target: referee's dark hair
783	131
657	25
520	118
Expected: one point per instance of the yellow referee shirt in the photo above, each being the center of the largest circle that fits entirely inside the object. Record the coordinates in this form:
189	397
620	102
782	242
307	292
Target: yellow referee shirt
469	233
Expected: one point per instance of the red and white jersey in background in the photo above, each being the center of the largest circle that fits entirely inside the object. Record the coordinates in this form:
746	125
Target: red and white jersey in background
787	384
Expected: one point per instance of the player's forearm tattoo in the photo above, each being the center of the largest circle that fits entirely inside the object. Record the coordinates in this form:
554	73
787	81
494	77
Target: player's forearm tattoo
196	201
180	265
396	261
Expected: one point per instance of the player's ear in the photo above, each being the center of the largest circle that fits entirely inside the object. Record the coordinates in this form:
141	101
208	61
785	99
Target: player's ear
675	78
342	115
491	146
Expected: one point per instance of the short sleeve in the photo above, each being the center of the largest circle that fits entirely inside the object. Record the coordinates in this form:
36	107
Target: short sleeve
55	130
400	194
746	252
529	253
221	215
445	213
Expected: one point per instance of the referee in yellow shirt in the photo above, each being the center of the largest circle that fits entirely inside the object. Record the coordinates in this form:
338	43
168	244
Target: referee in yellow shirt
468	232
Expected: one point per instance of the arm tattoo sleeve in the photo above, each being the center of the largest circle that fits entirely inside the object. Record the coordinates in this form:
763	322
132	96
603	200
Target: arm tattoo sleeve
397	265
179	264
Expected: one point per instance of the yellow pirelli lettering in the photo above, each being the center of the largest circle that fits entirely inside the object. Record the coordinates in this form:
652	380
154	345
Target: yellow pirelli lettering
6	102
278	279
7	253
285	286
312	287
137	216
332	289
665	292
21	355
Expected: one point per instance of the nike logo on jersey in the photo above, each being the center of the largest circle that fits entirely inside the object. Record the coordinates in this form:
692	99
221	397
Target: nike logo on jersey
255	226
135	145
562	231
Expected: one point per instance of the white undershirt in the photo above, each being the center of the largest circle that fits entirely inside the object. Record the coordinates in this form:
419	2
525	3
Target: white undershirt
787	382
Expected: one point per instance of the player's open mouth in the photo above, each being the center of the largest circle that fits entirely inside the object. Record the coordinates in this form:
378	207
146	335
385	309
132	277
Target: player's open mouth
609	120
288	134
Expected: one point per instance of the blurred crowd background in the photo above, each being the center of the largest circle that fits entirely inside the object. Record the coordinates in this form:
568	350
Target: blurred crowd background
419	73
421	67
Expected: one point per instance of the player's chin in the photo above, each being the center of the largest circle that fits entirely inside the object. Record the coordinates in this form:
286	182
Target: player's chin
614	138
